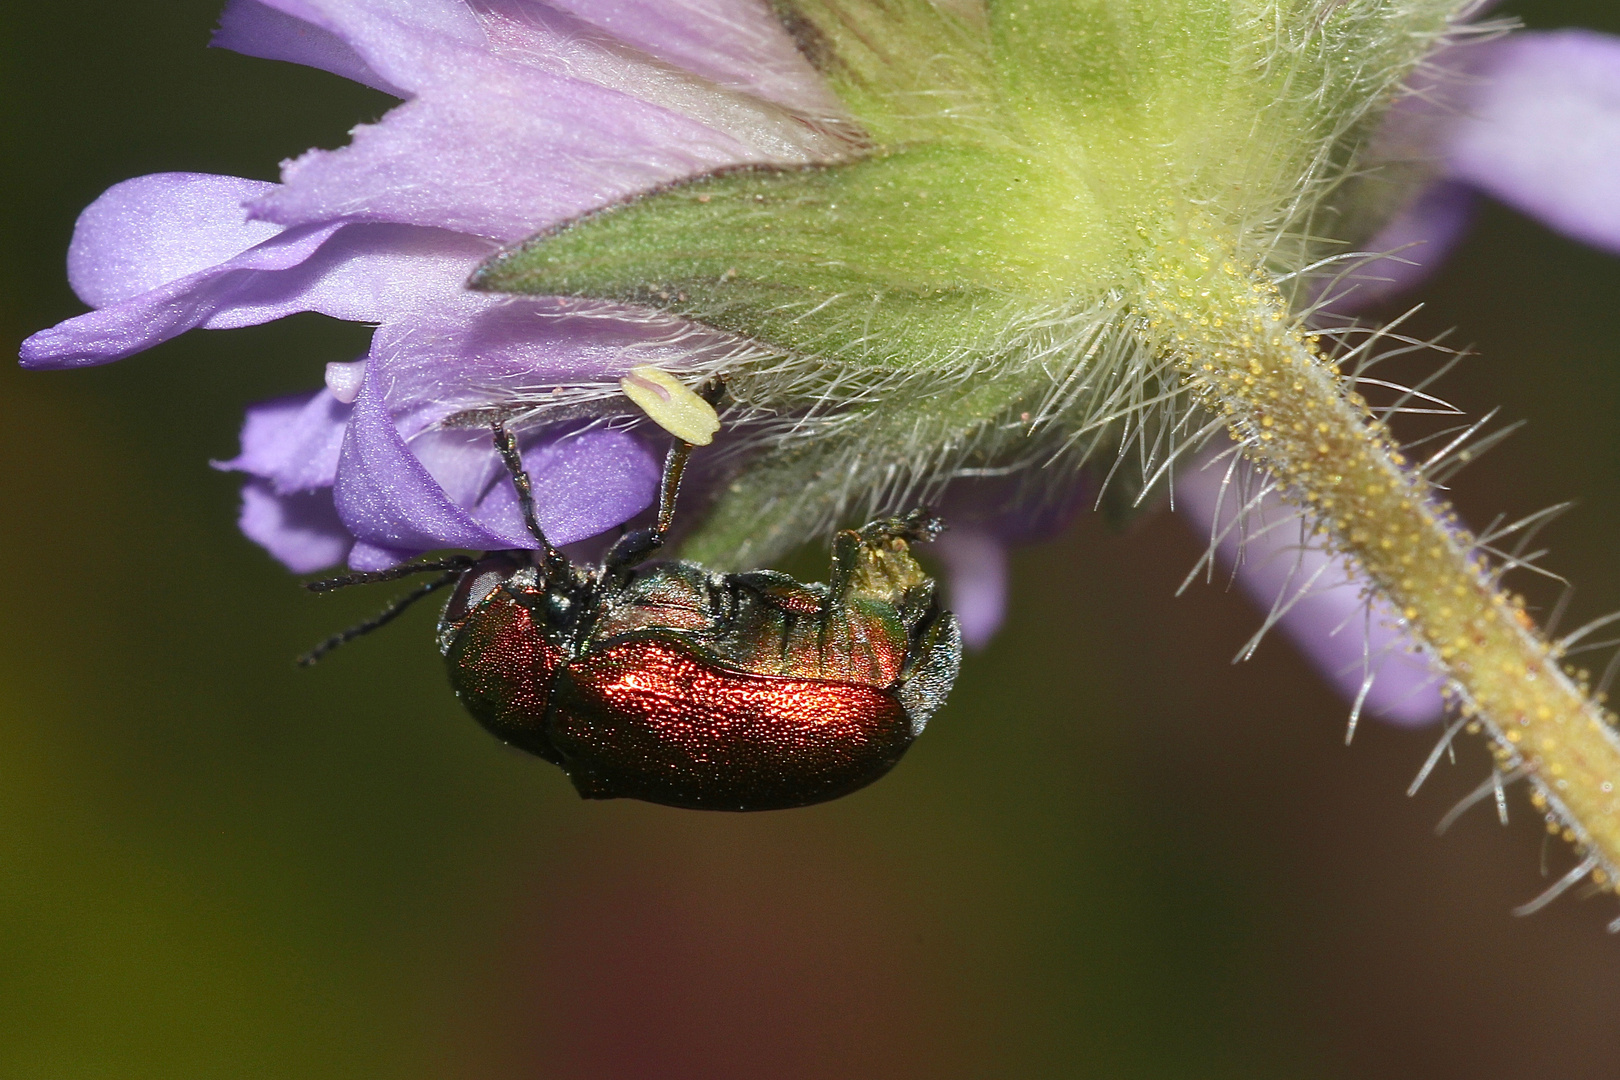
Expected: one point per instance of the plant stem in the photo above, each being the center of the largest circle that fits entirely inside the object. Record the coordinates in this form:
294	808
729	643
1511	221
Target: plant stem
1243	355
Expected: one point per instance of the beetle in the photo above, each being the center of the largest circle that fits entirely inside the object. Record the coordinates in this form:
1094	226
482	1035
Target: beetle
675	684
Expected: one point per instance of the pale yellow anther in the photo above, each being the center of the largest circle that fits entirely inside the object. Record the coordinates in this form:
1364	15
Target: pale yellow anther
671	404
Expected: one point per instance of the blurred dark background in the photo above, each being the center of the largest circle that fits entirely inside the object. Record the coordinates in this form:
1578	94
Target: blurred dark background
1113	855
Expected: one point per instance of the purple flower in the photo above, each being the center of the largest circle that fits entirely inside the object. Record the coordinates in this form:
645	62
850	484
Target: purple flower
516	115
1354	639
1531	119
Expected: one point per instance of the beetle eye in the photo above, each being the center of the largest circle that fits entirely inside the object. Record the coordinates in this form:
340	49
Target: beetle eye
476	584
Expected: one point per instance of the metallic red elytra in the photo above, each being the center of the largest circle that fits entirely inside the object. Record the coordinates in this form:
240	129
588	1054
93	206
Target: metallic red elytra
674	684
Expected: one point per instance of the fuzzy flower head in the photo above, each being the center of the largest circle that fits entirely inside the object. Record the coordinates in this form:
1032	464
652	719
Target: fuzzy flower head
518	117
920	241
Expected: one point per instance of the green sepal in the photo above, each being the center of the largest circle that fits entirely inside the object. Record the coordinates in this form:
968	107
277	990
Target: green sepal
894	259
1031	168
887	454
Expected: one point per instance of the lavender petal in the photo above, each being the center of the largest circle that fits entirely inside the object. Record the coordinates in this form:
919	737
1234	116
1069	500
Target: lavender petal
258	29
976	578
506	350
134	325
387	497
301	530
738	44
364	556
1417	240
152	230
497	150
1329	618
363	273
293	443
584	484
446	488
1542	132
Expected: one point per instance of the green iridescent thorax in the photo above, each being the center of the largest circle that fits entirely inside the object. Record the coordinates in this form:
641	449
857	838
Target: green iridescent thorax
857	629
961	290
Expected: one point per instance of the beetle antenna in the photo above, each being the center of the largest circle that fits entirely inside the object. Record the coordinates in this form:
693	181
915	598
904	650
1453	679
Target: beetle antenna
506	444
382	618
372	577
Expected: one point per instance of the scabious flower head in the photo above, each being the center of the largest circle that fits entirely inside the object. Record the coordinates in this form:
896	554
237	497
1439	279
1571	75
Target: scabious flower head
520	115
922	240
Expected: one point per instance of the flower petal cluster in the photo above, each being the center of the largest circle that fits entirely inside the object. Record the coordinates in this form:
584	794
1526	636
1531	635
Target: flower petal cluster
514	115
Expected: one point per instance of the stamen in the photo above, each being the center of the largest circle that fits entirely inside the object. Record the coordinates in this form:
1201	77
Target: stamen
345	380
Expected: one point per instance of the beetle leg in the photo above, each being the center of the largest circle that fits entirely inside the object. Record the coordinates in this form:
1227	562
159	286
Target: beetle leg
918	525
669	486
680	452
632	548
876	562
387	615
506	445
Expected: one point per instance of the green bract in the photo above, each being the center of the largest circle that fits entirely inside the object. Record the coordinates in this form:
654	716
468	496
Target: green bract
966	288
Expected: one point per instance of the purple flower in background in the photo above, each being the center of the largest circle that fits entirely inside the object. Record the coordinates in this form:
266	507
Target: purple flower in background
1357	643
1531	119
517	115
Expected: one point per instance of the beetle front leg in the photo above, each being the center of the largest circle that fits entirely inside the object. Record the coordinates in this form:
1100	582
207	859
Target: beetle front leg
372	577
634	547
394	610
876	562
506	445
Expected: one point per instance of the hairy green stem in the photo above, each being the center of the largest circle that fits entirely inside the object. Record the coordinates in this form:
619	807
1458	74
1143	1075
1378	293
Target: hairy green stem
1243	355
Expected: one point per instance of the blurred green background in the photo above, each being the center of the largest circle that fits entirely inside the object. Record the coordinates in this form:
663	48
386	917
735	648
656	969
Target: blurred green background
1113	855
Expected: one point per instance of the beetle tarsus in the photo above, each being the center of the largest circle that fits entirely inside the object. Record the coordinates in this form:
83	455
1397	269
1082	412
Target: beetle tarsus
919	526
